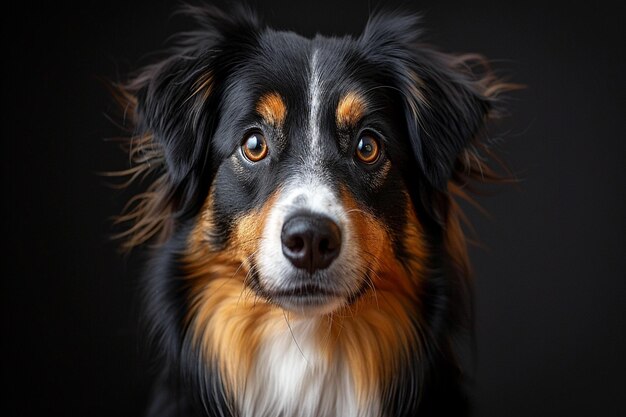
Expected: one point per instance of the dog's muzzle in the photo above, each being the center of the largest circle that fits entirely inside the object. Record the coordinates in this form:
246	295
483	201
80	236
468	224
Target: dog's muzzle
307	260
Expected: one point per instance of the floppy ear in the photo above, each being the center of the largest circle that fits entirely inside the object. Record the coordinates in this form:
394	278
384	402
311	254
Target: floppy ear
444	104
173	106
176	99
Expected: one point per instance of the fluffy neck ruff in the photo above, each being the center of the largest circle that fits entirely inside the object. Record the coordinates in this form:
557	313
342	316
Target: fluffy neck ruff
276	363
353	362
358	361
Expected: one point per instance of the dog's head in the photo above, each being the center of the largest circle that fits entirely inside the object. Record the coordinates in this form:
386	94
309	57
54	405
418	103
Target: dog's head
319	169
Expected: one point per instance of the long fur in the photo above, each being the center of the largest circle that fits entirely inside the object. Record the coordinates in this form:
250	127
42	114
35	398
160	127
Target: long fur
446	102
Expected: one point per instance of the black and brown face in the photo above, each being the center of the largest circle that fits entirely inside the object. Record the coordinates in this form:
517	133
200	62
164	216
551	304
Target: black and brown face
317	150
307	196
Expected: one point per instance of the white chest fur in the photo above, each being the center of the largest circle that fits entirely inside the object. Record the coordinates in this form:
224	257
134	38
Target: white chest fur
292	377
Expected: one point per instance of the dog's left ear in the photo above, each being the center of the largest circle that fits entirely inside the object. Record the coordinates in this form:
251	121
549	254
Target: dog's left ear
173	107
176	100
445	105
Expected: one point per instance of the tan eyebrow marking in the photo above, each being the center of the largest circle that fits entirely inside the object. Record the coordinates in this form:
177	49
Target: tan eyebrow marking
272	108
350	109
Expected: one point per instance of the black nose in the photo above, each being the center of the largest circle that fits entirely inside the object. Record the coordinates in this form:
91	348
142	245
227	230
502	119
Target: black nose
310	241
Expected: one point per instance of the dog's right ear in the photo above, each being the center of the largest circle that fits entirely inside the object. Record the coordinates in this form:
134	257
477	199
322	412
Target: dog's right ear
173	107
175	100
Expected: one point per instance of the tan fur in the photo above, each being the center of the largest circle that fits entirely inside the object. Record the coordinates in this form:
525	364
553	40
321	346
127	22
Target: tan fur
375	334
227	321
350	109
272	108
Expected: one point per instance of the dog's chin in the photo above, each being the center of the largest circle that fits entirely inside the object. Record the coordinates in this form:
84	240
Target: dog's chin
310	305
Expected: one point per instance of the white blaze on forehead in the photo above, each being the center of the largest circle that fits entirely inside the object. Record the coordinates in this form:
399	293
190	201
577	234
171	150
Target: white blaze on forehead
309	190
314	101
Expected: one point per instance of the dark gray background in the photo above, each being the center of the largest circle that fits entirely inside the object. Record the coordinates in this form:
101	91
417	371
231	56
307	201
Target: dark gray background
549	281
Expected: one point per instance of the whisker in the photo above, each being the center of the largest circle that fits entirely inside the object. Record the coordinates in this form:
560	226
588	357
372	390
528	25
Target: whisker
294	337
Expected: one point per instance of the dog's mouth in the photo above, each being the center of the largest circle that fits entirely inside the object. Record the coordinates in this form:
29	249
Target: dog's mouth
305	291
306	298
309	303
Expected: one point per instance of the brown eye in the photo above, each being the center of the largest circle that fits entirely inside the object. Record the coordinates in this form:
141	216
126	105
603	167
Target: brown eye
368	149
255	147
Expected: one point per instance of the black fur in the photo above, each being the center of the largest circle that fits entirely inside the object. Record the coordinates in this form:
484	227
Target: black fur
422	139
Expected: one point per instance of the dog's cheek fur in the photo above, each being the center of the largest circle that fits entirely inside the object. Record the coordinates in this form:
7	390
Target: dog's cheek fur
378	334
224	318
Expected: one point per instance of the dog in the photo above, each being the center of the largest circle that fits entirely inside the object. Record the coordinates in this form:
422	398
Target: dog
306	250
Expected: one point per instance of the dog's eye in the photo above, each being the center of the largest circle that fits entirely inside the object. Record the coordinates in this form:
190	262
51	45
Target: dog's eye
368	149
255	147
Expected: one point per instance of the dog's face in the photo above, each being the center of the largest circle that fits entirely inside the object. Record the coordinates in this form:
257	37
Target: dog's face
308	186
308	162
309	178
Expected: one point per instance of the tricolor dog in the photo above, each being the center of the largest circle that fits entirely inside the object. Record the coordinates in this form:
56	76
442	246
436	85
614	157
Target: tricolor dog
306	253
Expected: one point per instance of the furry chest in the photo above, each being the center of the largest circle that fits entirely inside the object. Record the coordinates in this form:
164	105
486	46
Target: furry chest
293	376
